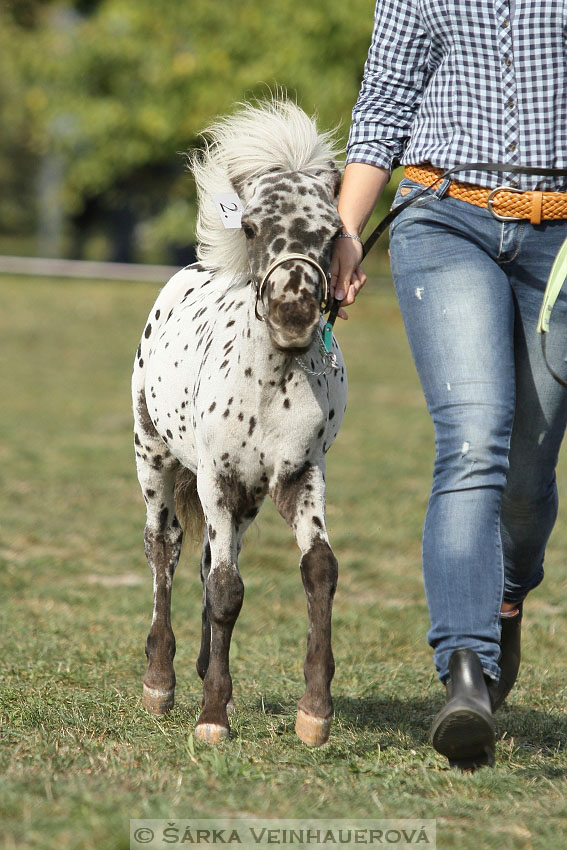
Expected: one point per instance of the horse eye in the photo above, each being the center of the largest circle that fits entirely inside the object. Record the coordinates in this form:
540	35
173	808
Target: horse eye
249	231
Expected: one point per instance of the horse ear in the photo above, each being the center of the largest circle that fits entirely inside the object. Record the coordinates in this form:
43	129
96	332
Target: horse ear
331	176
239	186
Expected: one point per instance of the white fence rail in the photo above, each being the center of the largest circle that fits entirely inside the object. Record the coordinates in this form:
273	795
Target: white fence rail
86	269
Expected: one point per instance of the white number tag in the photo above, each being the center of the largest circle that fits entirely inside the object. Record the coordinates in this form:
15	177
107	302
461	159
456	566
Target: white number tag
230	209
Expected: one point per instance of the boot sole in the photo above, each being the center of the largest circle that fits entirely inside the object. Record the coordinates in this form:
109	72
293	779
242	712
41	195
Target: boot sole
463	734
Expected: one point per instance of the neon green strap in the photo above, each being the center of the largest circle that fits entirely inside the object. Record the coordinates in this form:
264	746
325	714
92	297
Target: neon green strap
557	277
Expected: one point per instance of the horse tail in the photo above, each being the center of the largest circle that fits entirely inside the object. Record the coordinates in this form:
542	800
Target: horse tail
188	505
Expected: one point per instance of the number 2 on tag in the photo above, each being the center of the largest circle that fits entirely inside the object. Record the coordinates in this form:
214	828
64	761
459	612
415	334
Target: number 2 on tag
229	208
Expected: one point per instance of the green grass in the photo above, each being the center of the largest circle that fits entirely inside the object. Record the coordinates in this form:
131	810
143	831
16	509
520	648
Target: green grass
79	756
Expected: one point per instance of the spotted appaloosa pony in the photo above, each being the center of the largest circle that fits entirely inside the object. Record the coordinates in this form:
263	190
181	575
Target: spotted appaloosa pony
226	413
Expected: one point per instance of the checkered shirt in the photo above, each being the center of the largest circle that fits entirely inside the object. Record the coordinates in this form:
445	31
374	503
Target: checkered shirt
449	82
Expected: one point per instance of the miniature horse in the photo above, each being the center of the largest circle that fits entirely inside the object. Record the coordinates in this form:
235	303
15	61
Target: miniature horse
235	397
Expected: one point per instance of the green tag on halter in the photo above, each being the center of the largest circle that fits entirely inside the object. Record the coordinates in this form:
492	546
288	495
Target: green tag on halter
328	337
555	282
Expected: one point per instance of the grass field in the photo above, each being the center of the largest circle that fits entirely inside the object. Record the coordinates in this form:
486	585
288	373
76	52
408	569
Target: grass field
79	756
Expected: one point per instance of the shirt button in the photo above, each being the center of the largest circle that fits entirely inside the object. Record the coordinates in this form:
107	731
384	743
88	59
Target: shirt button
510	104
512	146
505	23
507	61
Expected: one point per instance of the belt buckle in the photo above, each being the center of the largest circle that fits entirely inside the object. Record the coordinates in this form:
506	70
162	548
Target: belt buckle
489	203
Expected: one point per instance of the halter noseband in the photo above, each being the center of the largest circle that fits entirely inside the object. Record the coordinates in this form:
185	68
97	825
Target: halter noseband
278	262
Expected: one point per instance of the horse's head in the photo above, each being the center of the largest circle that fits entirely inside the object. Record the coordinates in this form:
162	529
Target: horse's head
291	213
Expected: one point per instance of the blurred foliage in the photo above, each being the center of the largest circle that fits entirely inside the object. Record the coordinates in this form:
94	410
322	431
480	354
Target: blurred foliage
114	90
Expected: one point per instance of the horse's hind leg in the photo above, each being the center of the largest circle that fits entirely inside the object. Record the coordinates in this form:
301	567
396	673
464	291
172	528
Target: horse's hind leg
301	501
205	651
163	536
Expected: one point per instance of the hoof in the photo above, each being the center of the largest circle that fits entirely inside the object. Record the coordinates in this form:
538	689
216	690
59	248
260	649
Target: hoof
313	731
230	707
211	733
156	701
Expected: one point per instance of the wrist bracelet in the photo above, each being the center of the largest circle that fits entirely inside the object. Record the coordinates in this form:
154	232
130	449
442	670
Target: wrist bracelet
350	236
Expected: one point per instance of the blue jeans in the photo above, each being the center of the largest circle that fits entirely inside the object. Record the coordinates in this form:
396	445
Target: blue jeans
470	290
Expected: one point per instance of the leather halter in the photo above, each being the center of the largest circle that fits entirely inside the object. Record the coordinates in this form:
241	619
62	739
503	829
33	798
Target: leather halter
278	262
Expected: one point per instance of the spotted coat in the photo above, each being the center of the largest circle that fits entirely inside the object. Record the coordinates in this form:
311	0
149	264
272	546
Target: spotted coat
231	403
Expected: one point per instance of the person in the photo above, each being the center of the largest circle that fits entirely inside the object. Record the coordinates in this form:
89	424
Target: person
447	84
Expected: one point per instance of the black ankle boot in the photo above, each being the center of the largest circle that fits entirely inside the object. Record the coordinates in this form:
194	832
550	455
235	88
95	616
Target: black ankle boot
510	648
464	729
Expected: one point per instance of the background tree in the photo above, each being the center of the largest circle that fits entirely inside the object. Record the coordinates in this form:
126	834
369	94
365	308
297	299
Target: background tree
99	97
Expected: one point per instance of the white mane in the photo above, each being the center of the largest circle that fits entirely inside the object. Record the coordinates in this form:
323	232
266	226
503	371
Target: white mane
273	135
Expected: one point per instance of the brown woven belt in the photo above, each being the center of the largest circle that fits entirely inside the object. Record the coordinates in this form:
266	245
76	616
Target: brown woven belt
505	203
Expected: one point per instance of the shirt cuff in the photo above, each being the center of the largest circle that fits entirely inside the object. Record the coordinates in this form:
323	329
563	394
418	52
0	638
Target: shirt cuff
380	154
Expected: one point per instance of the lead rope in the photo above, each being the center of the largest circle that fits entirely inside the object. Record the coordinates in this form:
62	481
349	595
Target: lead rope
557	277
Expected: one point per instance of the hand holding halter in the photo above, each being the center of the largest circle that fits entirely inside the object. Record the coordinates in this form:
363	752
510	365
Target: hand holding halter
558	273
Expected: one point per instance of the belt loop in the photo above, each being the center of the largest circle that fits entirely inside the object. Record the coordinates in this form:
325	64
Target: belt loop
537	201
442	190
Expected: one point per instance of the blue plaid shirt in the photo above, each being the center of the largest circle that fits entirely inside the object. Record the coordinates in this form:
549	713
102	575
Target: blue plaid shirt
448	82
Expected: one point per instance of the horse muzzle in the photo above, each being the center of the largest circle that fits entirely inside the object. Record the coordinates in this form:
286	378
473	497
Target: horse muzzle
261	285
292	324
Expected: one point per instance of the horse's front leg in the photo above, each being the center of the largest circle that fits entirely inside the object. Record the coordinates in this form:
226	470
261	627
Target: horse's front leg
223	595
205	650
300	499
